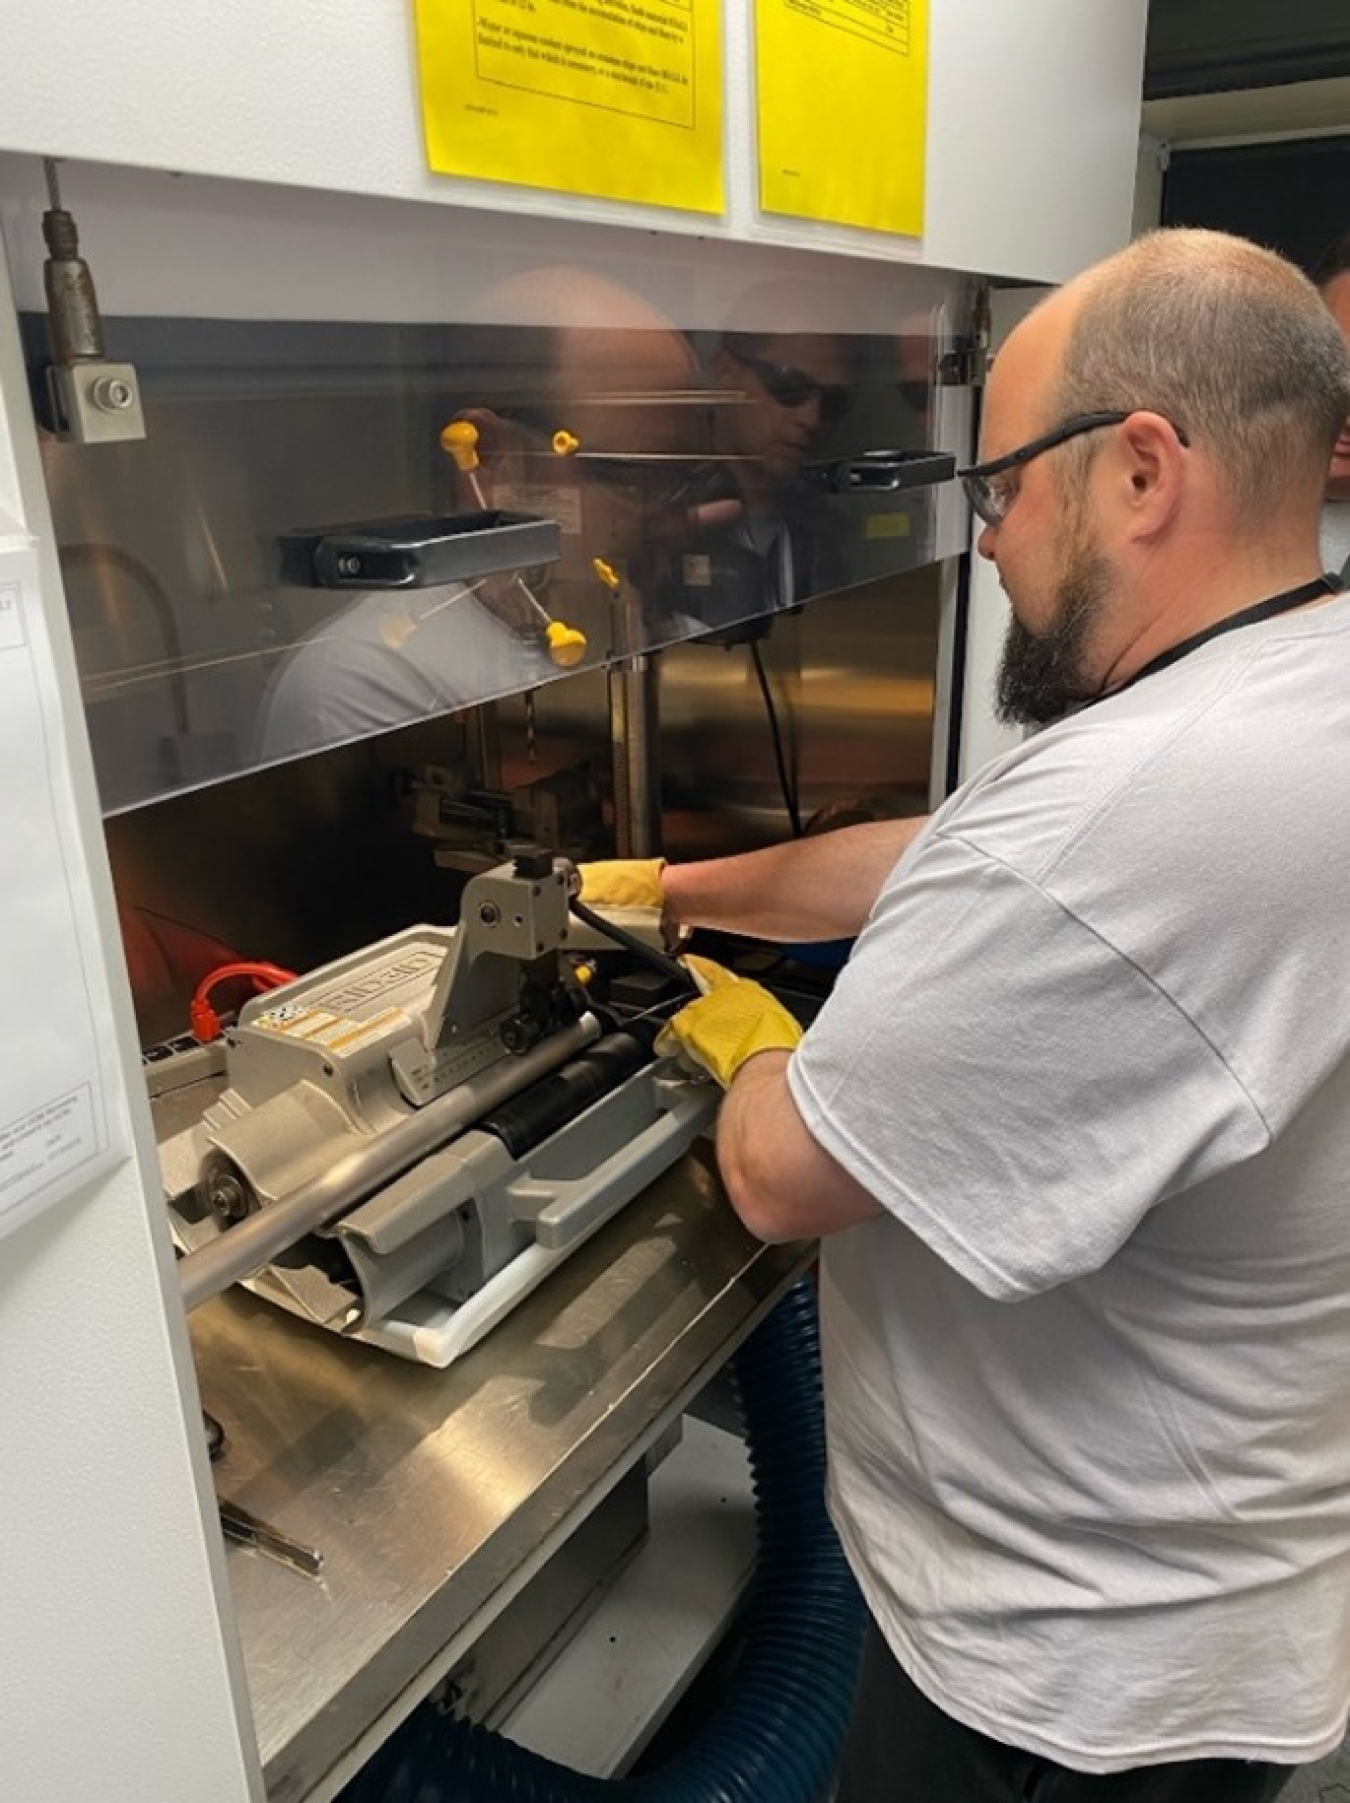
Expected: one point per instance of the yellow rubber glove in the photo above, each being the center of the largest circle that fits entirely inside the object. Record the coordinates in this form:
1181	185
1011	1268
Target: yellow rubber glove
732	1020
622	883
707	974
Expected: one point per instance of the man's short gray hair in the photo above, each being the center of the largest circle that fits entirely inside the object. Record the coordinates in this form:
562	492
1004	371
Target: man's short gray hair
1230	342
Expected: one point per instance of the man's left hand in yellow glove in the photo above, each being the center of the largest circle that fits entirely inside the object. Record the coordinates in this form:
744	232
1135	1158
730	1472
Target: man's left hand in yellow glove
782	1183
732	1019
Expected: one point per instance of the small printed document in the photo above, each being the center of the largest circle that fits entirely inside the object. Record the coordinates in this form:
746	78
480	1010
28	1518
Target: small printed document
55	1018
841	90
620	99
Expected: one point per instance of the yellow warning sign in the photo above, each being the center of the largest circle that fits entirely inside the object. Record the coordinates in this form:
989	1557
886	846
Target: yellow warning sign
842	103
616	98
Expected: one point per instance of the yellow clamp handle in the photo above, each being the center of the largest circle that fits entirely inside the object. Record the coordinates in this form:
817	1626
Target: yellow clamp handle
566	644
460	439
606	572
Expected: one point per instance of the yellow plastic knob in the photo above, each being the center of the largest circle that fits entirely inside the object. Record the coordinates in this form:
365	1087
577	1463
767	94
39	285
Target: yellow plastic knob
566	644
565	444
606	572
460	438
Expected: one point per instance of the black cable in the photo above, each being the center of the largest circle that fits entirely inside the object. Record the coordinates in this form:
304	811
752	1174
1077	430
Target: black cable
669	967
784	783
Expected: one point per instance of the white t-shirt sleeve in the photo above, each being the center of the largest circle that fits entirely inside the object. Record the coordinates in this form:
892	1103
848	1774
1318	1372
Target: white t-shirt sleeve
1005	1082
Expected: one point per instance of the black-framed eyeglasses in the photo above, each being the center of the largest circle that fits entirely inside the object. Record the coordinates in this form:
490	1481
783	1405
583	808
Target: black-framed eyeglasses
792	387
986	485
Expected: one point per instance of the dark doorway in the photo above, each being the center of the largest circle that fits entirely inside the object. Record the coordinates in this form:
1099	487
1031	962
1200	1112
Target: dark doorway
1293	196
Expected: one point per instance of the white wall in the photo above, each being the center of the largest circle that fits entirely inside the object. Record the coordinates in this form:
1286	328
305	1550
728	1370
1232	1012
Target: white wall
1148	184
1033	117
119	1678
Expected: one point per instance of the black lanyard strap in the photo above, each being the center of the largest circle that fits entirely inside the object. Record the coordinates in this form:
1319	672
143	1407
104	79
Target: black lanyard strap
1282	603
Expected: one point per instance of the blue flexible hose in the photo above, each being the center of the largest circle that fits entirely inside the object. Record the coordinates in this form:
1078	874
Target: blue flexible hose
778	1731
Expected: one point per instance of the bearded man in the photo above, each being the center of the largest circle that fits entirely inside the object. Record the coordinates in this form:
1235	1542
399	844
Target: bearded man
1074	1123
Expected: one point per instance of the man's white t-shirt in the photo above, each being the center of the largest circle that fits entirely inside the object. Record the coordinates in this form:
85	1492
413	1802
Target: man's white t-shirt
1088	1376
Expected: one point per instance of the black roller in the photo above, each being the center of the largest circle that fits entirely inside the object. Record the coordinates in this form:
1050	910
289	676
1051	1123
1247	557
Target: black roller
526	1120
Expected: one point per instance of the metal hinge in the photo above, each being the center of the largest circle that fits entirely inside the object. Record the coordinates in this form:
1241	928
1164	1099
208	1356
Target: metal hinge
962	367
966	364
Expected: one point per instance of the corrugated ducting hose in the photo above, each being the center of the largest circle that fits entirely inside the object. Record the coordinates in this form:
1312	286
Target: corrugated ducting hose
778	1730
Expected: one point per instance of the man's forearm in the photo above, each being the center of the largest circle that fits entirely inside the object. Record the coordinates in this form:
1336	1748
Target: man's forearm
806	889
782	1183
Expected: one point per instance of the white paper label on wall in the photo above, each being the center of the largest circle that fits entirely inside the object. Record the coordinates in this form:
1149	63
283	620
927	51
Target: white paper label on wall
57	1127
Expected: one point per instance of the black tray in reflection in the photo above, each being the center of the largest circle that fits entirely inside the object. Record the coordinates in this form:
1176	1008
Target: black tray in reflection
884	471
417	550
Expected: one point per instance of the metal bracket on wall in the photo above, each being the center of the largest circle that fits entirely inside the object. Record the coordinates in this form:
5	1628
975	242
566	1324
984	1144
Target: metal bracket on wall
966	364
962	367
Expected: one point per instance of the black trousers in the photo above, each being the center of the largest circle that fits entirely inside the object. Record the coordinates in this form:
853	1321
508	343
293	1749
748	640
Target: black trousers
903	1749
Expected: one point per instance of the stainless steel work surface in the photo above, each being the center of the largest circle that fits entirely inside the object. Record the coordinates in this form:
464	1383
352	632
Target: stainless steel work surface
431	1493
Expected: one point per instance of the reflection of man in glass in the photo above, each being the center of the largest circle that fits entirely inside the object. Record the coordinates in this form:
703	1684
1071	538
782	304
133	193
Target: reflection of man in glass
566	351
795	386
388	657
616	376
779	394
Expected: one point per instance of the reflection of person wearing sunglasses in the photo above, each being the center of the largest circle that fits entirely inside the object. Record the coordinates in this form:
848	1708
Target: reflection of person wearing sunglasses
779	393
794	386
564	350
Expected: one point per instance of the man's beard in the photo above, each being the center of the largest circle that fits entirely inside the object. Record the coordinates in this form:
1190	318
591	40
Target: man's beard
1042	675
